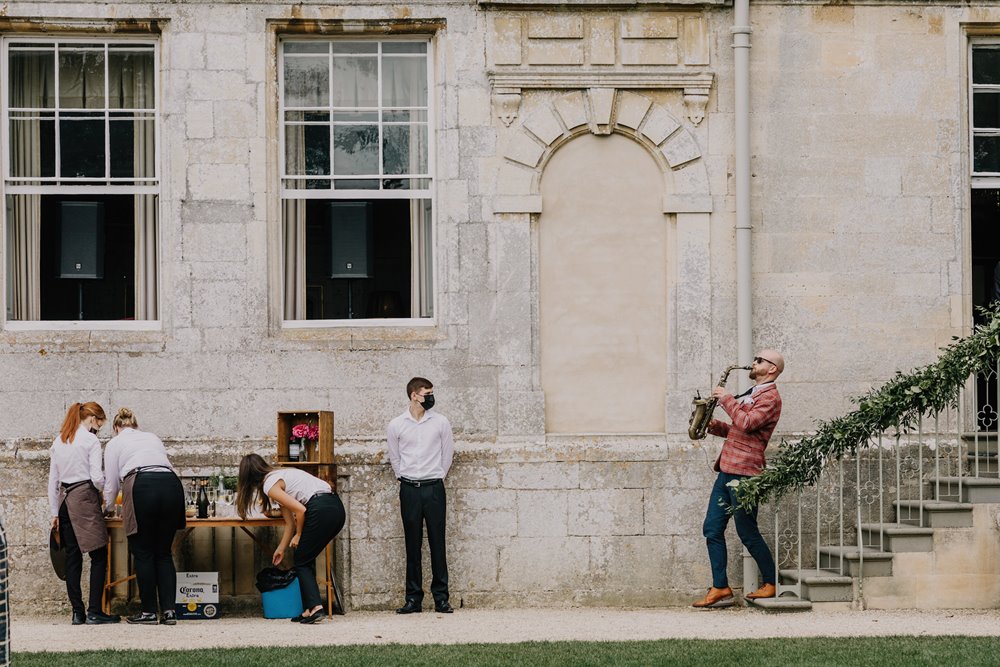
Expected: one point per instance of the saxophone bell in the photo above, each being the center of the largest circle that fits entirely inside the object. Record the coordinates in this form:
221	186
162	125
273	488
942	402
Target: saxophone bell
702	408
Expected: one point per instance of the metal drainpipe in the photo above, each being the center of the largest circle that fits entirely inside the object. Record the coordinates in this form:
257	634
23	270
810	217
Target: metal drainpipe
744	303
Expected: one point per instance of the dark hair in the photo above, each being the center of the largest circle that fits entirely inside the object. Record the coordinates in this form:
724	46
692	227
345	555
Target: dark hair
76	414
417	384
250	484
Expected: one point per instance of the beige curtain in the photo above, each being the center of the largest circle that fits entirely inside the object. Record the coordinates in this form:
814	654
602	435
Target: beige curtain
421	253
293	216
132	87
31	85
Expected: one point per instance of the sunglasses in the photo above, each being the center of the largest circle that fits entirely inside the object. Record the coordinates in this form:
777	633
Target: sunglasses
762	360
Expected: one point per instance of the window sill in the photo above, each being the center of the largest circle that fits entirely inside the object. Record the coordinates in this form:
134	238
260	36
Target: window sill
394	330
85	325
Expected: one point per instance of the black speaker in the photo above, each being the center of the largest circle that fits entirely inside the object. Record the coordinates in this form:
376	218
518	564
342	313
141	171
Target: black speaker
350	239
81	250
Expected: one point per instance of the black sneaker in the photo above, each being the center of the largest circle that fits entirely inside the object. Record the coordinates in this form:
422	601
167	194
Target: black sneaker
79	618
169	617
99	618
142	618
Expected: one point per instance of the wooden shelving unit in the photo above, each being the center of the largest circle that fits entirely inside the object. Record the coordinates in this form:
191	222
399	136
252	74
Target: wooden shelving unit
317	457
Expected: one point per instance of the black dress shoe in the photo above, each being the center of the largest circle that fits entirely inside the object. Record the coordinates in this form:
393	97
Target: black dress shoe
315	617
169	617
297	619
98	618
79	618
410	607
143	618
443	608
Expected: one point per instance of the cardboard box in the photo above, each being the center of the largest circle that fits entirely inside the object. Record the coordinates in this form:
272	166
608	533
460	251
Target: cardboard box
197	595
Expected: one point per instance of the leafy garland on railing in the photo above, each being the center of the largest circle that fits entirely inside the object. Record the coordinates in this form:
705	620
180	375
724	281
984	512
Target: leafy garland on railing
898	402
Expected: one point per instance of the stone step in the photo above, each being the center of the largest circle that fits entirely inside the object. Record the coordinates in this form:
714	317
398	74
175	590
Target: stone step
820	585
785	603
936	513
876	563
983	465
966	489
897	537
984	442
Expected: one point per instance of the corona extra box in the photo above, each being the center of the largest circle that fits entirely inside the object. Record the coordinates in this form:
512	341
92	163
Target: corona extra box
197	595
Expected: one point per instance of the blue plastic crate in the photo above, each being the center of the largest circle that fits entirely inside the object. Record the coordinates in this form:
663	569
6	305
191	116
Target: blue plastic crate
284	602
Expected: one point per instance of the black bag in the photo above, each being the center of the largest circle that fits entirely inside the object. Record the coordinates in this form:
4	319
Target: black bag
271	579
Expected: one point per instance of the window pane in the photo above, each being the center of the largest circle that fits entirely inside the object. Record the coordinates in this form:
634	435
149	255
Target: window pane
81	148
404	116
406	183
317	156
986	154
81	79
132	82
32	147
355	149
32	80
122	139
404	47
404	82
986	65
355	116
307	47
355	82
986	110
355	184
307	81
355	47
404	149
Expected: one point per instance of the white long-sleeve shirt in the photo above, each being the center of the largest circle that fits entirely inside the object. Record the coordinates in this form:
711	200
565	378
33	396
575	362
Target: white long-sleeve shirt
420	449
75	461
128	450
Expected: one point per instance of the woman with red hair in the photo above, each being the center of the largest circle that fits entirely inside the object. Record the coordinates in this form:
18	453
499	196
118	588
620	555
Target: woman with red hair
75	483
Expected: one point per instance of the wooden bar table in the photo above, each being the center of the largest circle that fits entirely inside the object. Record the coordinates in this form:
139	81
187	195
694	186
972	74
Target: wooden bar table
332	591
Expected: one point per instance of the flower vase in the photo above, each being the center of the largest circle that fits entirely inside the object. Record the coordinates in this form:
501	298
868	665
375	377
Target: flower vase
306	454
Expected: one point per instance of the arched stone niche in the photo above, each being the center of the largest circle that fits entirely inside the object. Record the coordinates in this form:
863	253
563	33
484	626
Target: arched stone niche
687	204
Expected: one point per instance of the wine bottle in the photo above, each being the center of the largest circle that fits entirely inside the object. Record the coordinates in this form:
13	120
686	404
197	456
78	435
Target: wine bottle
293	449
202	501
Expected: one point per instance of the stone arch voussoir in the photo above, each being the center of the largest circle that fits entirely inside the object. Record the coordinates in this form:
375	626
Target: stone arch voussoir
603	111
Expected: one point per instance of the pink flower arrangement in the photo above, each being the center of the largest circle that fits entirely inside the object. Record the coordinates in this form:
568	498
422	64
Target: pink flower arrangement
307	431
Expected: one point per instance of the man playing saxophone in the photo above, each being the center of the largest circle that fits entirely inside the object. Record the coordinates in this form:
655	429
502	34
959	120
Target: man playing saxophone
754	414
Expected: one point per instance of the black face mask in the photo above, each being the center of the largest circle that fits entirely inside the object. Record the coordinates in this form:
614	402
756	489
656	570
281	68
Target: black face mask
428	401
94	431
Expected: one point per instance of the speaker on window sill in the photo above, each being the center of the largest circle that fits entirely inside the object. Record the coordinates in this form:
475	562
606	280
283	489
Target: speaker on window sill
351	236
81	234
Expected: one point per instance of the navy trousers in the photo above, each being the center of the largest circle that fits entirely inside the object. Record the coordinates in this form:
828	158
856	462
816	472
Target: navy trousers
717	518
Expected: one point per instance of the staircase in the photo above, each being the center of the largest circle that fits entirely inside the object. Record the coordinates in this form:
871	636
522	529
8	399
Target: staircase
940	550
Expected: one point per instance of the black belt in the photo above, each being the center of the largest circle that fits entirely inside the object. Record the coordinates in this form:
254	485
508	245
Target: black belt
136	471
69	486
419	482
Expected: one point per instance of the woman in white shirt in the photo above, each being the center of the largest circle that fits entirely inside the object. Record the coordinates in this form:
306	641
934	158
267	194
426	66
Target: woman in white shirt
152	512
75	483
313	516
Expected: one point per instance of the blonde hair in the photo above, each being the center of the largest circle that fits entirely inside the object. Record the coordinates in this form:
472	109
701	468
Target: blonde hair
76	414
125	419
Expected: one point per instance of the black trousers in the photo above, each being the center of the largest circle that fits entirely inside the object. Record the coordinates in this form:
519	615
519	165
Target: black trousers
325	517
417	506
74	567
157	497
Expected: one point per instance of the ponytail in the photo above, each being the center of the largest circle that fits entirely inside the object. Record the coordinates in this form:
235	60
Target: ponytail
76	414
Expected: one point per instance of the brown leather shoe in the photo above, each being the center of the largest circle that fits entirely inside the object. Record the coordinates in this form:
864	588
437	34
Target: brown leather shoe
765	591
716	598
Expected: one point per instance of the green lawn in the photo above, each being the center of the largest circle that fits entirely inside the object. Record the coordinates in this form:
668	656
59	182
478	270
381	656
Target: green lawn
875	651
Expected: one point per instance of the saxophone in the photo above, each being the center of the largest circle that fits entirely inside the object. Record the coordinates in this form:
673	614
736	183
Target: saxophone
701	413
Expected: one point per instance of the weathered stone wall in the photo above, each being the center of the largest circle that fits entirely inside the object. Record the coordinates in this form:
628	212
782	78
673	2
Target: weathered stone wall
860	209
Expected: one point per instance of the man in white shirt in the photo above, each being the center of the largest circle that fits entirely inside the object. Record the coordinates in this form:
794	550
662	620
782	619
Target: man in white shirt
421	446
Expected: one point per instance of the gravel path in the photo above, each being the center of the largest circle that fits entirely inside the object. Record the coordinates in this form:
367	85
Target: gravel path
499	625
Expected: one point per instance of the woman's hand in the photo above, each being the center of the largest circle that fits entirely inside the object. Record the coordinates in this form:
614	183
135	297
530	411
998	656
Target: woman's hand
294	543
279	555
55	523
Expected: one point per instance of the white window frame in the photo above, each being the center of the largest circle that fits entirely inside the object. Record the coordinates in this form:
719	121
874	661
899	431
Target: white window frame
980	179
7	187
429	193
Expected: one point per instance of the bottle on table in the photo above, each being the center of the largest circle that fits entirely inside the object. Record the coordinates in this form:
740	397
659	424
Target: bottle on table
202	501
294	449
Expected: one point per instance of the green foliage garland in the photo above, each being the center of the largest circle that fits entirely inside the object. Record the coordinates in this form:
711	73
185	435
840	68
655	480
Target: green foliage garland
898	403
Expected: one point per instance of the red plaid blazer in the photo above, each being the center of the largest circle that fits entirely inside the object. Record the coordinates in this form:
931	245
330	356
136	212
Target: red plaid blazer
748	435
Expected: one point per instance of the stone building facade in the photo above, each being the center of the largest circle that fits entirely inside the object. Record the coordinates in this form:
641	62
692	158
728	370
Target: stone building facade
563	197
